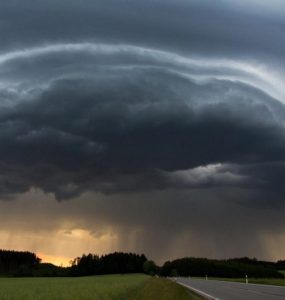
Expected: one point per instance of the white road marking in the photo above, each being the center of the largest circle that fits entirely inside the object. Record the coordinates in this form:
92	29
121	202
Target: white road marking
198	291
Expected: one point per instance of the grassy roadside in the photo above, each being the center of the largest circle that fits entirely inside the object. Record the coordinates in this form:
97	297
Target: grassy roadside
270	281
162	289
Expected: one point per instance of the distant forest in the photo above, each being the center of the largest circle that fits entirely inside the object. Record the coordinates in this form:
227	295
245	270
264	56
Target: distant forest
231	268
21	264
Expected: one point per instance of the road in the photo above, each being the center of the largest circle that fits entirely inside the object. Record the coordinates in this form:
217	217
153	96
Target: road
223	290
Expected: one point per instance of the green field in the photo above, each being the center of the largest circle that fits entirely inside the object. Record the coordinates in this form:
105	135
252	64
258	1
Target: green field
117	287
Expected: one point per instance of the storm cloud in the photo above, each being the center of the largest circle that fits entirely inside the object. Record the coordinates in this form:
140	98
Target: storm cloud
145	100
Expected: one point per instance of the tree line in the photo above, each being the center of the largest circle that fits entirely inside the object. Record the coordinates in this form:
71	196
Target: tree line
15	263
114	263
230	268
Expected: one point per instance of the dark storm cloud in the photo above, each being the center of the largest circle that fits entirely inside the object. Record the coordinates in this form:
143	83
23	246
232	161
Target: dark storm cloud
120	118
156	104
117	117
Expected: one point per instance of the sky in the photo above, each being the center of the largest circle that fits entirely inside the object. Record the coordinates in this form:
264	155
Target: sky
156	127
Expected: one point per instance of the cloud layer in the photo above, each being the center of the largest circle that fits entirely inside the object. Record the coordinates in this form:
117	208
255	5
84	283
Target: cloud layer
79	117
146	100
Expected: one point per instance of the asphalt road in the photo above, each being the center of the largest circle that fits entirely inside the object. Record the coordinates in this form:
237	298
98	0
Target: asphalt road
223	290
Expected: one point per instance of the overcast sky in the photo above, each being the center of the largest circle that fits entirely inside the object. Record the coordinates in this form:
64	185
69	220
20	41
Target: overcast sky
149	126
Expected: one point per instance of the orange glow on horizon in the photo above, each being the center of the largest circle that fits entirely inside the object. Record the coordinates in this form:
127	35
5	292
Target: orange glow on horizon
56	260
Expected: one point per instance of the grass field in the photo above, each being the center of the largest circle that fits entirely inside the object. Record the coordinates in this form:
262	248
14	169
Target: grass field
117	287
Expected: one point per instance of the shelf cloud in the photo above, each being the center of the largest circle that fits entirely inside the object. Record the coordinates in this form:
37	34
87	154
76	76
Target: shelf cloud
133	102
